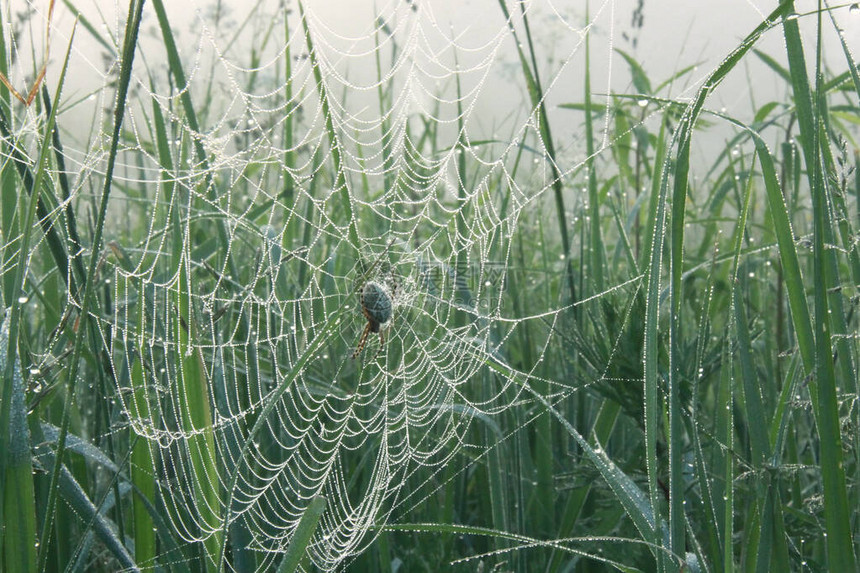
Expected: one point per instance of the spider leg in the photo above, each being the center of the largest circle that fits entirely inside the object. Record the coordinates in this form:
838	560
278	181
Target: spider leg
381	343
361	341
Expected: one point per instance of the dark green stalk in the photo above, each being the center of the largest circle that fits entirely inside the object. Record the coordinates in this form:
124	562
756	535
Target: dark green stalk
596	247
12	357
340	183
537	100
837	512
71	219
53	237
290	109
129	46
178	73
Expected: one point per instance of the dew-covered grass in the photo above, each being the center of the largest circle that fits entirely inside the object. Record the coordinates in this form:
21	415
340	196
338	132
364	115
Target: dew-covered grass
606	355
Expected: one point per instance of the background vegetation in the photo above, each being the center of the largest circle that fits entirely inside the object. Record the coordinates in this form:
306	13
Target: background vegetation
678	371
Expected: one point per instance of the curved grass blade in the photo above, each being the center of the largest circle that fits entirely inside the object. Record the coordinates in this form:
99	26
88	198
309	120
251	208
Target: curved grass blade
77	498
170	550
679	197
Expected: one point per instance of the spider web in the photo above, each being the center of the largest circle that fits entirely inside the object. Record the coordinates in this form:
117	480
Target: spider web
234	273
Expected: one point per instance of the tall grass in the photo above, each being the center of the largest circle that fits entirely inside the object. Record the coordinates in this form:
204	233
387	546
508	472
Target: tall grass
681	392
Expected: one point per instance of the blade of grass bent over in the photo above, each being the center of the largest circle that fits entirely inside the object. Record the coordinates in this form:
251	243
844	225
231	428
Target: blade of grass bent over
679	196
632	498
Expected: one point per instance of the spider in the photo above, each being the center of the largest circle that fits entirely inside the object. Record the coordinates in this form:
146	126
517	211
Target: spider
377	305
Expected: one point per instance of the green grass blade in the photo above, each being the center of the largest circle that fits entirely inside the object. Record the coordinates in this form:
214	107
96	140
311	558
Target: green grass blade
752	395
78	500
773	65
679	198
726	404
679	202
711	522
652	409
142	475
192	392
178	73
89	27
640	78
788	257
170	550
769	542
814	136
71	220
852	66
603	425
45	202
598	260
837	511
19	503
302	536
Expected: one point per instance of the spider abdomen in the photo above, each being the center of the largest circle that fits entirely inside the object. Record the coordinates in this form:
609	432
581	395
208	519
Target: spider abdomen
376	304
